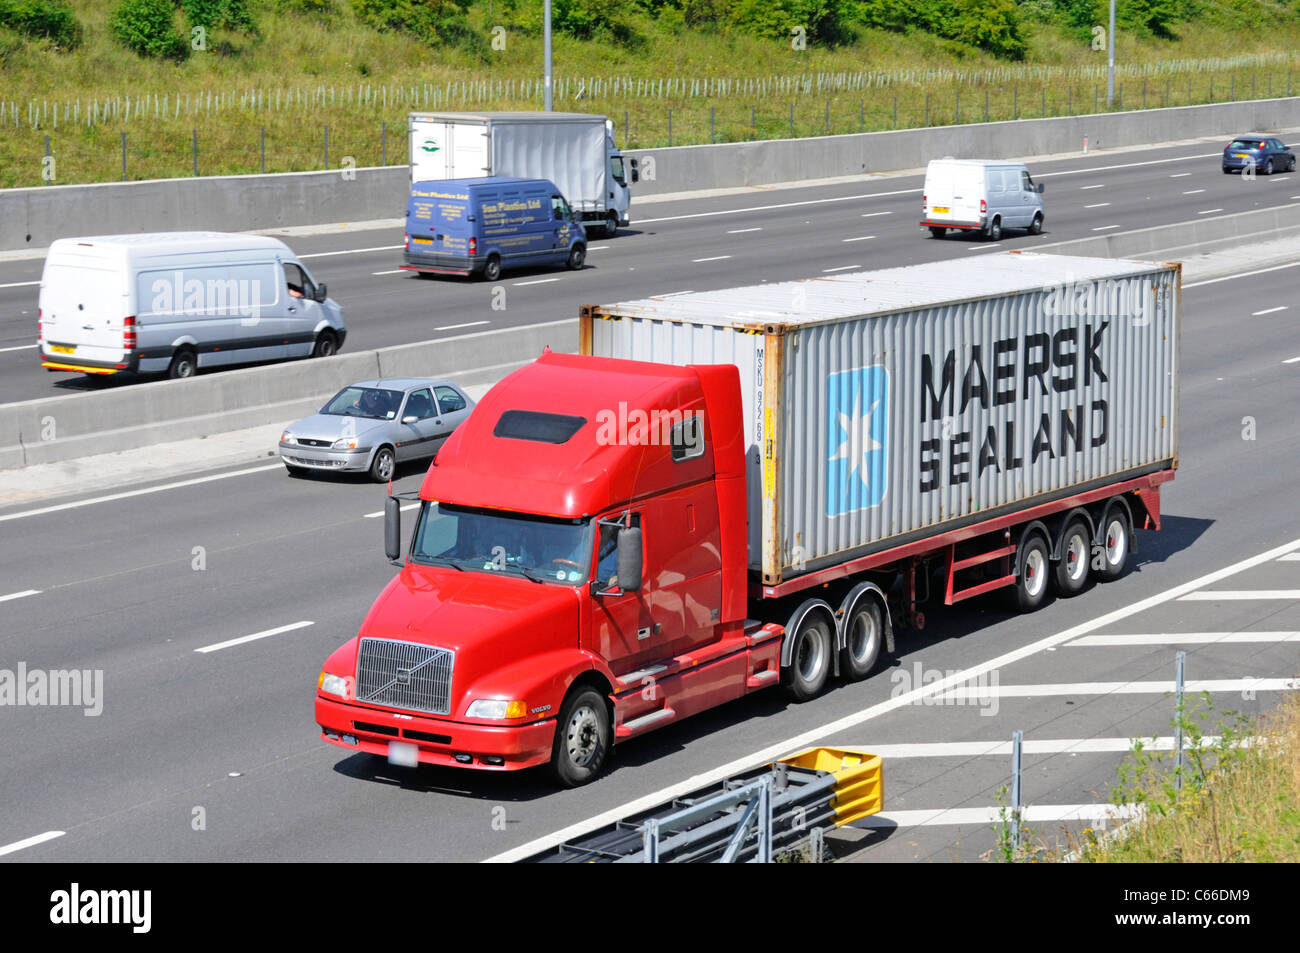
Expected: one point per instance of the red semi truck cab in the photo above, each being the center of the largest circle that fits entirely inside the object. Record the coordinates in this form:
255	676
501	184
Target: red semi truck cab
584	525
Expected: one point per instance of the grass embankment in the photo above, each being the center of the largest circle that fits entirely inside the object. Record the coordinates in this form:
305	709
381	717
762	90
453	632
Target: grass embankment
300	73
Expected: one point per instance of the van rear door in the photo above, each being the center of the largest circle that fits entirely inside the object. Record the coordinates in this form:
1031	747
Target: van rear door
83	303
953	191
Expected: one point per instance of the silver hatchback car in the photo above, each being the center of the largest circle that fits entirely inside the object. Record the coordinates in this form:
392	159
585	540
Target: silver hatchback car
374	425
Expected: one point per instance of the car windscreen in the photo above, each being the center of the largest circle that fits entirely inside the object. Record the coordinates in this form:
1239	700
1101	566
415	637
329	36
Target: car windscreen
1244	144
535	547
376	403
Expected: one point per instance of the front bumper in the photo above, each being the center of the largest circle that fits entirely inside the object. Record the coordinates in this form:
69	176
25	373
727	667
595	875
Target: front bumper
510	748
323	458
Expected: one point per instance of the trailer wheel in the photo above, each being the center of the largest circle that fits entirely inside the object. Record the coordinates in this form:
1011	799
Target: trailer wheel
864	632
810	657
1114	544
1072	568
582	739
1032	565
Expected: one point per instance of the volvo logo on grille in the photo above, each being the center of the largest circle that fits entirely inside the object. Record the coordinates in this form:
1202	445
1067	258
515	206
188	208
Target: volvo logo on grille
403	676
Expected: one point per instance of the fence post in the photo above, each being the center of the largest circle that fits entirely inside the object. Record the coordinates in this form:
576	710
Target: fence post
670	125
327	145
1069	101
383	142
1232	88
896	110
196	152
1211	89
625	134
828	117
711	114
1252	85
862	115
45	177
1043	109
957	109
986	104
927	110
1179	664
1144	92
1016	739
1015	102
792	119
1119	96
1096	93
262	149
123	157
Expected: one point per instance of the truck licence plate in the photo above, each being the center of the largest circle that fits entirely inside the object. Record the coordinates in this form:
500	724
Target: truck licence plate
403	755
940	210
62	348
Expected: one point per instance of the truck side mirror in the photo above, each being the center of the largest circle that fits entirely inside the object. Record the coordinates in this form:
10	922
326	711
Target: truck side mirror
636	176
629	559
392	529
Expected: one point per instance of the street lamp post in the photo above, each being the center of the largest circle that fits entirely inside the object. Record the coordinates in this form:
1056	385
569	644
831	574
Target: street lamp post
1110	54
547	67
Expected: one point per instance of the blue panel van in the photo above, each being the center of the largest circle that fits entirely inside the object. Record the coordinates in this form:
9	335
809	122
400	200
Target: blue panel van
480	226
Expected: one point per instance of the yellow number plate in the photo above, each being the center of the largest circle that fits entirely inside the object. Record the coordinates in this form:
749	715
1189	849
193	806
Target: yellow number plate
422	241
940	210
1241	155
62	349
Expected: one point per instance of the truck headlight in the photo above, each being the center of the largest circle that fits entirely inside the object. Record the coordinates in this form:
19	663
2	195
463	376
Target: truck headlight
345	443
497	709
337	685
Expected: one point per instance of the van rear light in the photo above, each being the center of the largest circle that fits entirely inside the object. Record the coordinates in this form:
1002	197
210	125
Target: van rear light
923	205
406	240
473	246
128	333
984	206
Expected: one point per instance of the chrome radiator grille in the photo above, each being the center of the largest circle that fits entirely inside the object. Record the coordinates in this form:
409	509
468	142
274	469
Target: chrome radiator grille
405	675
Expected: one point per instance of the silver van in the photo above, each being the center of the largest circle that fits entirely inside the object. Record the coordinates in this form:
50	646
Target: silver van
984	195
178	301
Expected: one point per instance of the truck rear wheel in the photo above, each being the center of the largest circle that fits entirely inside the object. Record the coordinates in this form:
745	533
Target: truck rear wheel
863	634
582	738
810	657
1072	568
1032	560
1114	544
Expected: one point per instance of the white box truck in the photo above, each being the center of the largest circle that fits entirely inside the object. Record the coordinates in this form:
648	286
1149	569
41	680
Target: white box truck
576	151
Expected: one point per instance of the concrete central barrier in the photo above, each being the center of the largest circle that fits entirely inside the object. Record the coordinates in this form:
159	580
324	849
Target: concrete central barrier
35	217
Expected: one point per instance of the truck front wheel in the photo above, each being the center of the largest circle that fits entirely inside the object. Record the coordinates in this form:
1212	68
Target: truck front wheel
810	657
582	739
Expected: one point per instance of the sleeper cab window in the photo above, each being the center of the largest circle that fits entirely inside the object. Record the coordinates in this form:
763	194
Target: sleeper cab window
687	439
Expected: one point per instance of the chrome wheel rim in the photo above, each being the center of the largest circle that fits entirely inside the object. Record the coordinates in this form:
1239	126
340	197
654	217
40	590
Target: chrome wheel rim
1116	544
1076	558
582	737
1035	577
385	466
863	639
811	650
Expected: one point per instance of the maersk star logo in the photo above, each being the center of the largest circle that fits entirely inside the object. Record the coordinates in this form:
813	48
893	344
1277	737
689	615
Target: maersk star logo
857	437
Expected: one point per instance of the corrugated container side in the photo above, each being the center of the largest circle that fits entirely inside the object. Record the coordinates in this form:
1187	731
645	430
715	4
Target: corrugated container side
864	431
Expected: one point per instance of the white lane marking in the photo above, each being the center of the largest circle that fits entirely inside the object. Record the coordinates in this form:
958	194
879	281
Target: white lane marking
806	738
20	284
351	251
395	271
860	238
467	324
29	842
973	749
1291	557
1239	595
1210	211
1098	205
1185	638
742	231
1292	360
767	208
376	515
19	595
696	261
597	247
1194	191
1295	196
1084	188
1256	314
256	635
1243	274
130	493
1180	175
827	271
874	214
1055	689
1105	228
535	281
1034	813
1126	165
21	347
674	294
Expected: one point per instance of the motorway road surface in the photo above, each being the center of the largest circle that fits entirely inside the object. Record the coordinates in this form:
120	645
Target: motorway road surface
140	586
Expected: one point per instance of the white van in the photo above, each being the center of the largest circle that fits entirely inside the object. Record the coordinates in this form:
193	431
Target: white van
178	301
985	195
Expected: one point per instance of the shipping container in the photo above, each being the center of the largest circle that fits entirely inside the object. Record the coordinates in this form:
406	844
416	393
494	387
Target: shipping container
888	406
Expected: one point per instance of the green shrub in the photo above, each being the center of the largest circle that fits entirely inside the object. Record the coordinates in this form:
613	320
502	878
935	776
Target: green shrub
435	22
1150	16
211	14
148	28
320	9
991	25
46	19
824	21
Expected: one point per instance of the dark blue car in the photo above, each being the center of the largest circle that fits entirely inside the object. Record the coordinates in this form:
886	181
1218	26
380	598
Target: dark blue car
1263	153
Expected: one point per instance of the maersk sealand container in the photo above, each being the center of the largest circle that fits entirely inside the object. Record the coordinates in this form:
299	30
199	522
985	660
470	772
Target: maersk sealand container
884	408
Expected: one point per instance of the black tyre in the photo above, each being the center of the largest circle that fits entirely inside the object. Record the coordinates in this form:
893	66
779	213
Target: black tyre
1290	165
1032	565
582	738
1227	171
1036	226
994	232
864	633
611	225
185	363
492	268
1268	167
576	257
327	343
1115	533
938	231
381	467
295	471
810	657
1076	553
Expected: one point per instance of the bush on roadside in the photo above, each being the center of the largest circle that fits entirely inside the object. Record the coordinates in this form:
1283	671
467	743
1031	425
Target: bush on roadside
42	19
433	22
148	29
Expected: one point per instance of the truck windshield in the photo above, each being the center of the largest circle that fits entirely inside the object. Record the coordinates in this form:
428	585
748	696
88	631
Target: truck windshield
535	547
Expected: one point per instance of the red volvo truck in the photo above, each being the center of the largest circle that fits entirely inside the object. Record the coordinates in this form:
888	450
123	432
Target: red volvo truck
731	490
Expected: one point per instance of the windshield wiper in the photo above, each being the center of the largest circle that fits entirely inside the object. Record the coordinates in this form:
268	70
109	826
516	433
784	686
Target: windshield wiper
450	561
528	573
